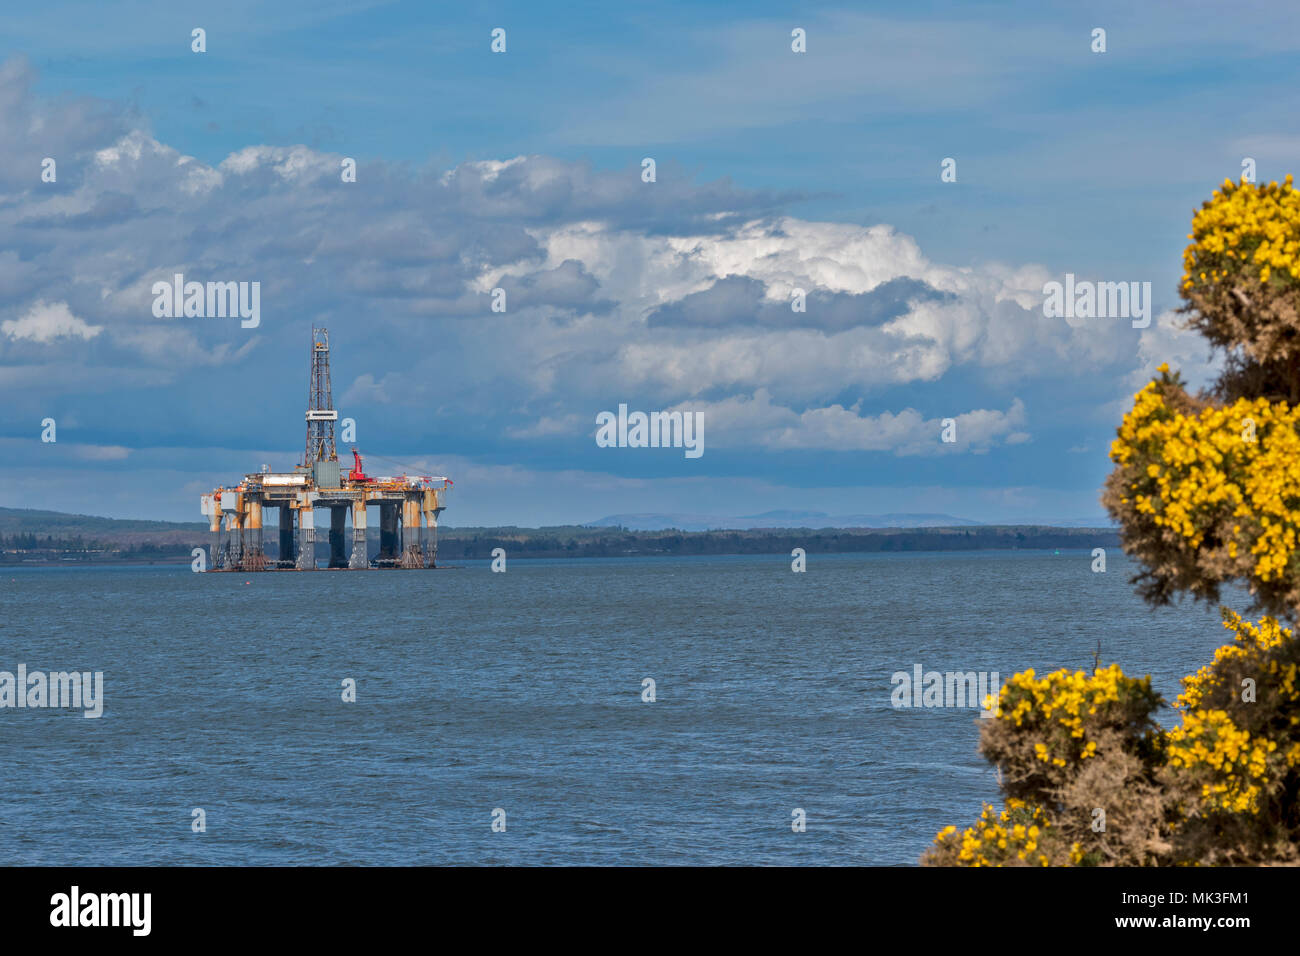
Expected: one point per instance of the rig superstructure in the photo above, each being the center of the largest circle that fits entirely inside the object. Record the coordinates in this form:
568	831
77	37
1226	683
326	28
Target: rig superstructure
318	485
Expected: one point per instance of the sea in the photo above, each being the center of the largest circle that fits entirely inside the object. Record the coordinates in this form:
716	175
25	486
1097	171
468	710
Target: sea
608	711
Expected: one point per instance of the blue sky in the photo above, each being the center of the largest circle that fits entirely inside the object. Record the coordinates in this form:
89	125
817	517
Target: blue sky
521	170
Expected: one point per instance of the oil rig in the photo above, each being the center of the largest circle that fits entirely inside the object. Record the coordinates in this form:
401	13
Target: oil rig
318	485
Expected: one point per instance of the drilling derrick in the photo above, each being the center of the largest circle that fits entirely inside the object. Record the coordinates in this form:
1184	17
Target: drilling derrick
408	505
321	415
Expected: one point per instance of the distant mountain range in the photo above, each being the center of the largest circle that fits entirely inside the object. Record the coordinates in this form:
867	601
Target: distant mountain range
814	519
776	519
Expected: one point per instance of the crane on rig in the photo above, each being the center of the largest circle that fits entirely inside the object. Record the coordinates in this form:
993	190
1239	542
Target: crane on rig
358	476
358	473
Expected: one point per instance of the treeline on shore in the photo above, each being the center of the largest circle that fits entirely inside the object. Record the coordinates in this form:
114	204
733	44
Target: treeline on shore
616	542
45	549
583	542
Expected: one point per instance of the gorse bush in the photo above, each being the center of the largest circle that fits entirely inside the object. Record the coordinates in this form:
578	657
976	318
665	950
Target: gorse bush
1206	491
1066	745
1241	287
1206	494
1233	770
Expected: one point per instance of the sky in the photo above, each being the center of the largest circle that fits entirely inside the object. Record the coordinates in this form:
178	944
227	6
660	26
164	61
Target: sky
522	170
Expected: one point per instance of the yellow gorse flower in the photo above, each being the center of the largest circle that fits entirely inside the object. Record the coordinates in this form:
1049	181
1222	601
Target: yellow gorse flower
1236	767
1245	226
998	837
1209	741
1236	466
1062	701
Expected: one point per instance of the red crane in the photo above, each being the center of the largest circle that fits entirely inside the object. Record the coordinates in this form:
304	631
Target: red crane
357	474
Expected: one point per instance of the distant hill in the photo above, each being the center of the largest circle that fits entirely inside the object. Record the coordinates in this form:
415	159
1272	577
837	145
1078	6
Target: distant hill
777	519
60	524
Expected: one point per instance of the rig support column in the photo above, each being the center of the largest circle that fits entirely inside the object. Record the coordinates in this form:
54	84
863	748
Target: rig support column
338	517
285	559
227	541
306	552
412	554
214	525
236	529
254	556
360	558
430	508
387	533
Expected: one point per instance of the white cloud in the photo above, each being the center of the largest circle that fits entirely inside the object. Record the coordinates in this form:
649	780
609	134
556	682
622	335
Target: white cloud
743	420
46	321
1166	340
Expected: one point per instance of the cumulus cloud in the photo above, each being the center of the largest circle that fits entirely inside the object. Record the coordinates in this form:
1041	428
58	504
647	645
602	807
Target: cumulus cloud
672	294
740	300
1166	340
46	321
757	419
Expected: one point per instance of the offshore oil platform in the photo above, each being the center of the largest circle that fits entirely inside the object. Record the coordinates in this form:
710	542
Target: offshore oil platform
317	485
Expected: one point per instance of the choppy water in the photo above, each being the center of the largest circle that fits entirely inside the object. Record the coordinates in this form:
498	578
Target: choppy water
522	691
